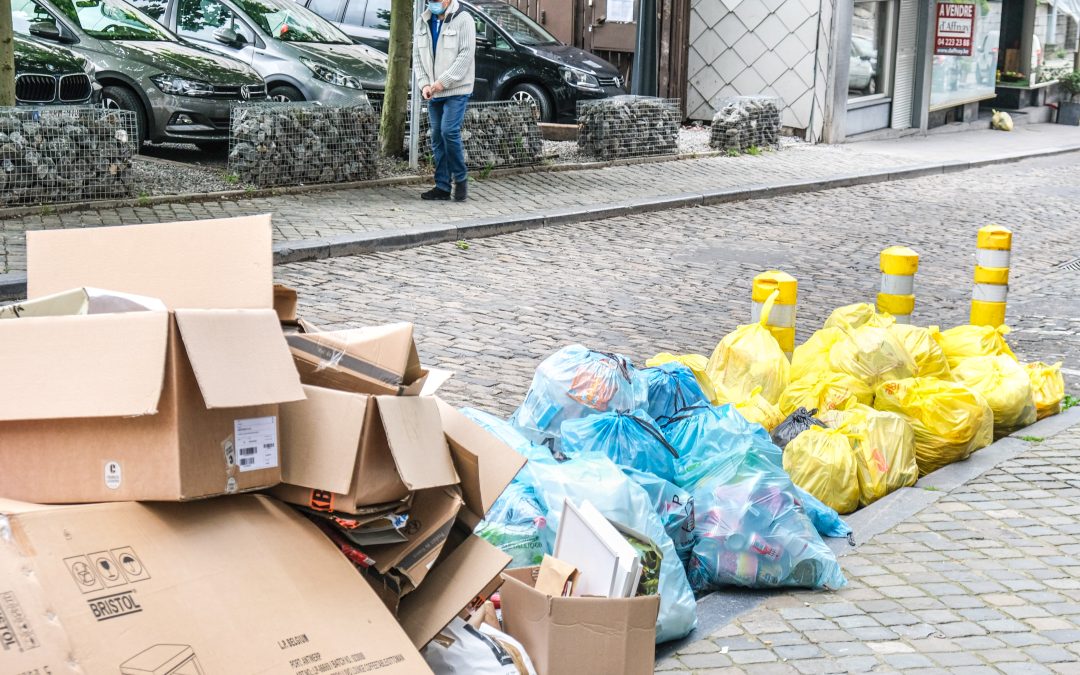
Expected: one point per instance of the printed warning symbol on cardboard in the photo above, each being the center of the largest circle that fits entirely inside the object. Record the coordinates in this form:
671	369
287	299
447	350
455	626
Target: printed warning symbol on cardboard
82	571
107	569
130	563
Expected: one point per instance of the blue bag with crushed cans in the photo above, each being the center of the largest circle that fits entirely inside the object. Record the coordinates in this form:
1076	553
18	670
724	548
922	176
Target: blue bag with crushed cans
675	507
629	438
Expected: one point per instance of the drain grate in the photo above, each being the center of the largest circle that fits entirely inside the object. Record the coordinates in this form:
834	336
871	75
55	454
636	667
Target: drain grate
1072	265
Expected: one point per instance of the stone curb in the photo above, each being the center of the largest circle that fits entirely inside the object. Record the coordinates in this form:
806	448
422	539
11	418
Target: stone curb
721	607
13	285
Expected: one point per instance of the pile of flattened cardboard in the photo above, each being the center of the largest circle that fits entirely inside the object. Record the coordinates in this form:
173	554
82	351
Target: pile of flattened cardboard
154	367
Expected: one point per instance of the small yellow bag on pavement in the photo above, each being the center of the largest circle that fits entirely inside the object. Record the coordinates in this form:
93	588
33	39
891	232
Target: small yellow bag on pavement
884	447
950	420
750	357
1048	387
859	314
1002	121
759	410
964	342
697	364
825	390
821	462
1006	387
930	360
809	357
872	354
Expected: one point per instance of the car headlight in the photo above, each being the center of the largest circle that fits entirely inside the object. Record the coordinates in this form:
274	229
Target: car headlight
579	79
328	74
180	86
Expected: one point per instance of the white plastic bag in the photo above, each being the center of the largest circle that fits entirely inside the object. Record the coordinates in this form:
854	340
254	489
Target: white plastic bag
464	650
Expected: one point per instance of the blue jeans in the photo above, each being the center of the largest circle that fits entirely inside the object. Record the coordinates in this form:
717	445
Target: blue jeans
446	115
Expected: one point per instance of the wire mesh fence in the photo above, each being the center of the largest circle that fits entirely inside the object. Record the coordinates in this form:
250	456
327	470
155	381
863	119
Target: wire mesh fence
272	144
623	127
745	122
54	154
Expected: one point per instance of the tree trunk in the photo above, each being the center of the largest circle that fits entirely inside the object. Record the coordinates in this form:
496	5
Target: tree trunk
7	56
398	81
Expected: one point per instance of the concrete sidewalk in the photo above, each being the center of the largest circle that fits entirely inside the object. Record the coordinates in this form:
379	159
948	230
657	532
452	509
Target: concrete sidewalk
329	223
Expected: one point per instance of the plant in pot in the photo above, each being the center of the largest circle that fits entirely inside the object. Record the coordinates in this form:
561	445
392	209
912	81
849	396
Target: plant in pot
1069	108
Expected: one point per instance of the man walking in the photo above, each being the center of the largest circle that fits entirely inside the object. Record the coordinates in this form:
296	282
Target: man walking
445	65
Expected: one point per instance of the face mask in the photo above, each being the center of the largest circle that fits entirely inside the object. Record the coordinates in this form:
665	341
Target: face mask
436	8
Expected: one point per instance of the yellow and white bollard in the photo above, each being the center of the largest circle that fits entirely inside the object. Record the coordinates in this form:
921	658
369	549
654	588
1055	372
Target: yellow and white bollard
782	317
897	297
991	276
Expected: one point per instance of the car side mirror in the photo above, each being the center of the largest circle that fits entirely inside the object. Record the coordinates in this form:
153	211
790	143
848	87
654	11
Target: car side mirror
46	30
228	36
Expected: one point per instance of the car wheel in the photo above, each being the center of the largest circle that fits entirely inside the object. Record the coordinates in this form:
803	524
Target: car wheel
284	93
528	92
115	97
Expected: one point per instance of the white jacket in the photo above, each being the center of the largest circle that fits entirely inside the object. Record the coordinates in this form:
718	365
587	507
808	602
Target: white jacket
455	63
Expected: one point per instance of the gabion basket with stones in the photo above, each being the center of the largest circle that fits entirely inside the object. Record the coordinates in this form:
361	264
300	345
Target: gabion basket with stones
745	122
629	126
66	153
295	143
495	134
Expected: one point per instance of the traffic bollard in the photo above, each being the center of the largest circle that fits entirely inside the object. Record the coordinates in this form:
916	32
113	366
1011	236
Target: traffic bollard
782	317
897	297
991	276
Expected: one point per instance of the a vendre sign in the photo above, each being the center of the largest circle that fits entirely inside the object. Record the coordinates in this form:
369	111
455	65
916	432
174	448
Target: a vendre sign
955	29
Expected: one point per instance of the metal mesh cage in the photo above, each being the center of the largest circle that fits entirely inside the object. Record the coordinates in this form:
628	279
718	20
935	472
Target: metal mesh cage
57	154
495	134
745	122
296	143
629	126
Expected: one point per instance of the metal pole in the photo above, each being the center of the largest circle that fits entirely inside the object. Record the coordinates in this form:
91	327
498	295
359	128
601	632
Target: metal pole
414	101
643	76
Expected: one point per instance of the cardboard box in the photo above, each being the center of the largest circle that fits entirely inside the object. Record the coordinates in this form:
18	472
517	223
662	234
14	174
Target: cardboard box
242	585
81	301
579	635
379	360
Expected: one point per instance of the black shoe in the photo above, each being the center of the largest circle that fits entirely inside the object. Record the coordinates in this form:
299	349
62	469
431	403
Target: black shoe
436	194
461	190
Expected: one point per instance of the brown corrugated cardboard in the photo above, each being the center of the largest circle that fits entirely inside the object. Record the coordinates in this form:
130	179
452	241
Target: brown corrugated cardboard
285	304
579	635
347	451
142	405
432	515
555	577
81	301
376	360
203	264
242	585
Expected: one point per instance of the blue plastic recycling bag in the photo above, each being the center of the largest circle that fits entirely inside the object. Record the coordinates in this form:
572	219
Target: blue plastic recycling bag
712	440
630	439
675	507
596	478
513	525
671	387
575	382
825	518
509	434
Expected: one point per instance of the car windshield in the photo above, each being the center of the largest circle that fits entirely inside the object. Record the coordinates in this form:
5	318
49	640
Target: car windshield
521	28
287	21
111	20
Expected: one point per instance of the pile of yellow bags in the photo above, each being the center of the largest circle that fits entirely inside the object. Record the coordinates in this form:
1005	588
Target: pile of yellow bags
964	342
883	445
821	462
1006	387
1048	387
925	352
950	420
748	359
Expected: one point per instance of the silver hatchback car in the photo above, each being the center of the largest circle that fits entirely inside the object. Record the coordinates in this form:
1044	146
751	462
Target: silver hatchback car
301	56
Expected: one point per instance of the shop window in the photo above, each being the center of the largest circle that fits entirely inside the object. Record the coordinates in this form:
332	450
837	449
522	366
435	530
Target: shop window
956	80
871	48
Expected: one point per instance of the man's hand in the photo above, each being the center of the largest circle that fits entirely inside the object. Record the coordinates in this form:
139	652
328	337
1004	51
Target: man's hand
437	87
426	92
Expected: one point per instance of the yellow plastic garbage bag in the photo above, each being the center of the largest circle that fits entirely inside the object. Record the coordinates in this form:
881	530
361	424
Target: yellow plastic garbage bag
872	354
697	363
950	420
810	356
1006	387
859	314
884	447
930	360
1002	121
821	462
964	342
1048	387
750	357
759	410
825	390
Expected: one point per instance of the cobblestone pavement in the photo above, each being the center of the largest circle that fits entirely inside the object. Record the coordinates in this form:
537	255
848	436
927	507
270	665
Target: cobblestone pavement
985	580
339	212
679	280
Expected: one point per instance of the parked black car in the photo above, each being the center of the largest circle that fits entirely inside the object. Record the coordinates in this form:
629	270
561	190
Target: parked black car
516	58
52	75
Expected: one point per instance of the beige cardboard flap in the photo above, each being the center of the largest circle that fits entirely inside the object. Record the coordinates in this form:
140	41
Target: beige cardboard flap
320	438
415	435
109	365
239	357
484	464
202	264
382	354
450	588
